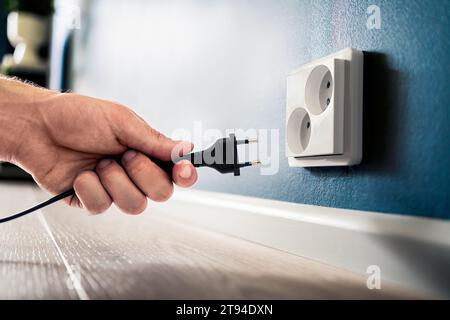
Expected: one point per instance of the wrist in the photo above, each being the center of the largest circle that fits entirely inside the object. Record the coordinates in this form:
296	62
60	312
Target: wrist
19	117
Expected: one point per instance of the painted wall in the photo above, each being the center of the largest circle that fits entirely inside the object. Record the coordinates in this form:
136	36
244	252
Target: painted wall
224	63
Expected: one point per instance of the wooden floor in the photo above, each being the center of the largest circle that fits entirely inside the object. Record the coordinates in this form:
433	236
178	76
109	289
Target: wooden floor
62	253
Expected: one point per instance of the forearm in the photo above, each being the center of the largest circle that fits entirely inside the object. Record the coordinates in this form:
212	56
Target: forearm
19	114
66	140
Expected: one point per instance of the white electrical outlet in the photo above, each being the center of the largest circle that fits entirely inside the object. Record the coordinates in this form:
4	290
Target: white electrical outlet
324	111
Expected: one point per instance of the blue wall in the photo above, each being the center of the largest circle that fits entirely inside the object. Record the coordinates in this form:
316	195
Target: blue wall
236	79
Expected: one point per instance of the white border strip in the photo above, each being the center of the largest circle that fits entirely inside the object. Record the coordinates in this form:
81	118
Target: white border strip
82	295
412	252
331	217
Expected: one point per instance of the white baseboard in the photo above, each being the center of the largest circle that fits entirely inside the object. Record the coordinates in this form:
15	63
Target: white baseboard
412	252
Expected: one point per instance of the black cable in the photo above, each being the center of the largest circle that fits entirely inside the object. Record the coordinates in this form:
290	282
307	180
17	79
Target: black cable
61	196
215	157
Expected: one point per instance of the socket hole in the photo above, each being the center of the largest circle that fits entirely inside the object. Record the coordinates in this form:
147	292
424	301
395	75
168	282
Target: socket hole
298	131
319	90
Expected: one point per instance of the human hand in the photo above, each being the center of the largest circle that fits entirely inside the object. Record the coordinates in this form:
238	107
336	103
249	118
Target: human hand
66	140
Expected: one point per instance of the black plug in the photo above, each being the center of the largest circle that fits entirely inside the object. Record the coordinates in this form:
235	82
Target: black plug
221	156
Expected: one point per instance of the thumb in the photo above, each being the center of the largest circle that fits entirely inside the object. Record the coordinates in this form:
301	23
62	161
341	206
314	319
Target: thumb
136	134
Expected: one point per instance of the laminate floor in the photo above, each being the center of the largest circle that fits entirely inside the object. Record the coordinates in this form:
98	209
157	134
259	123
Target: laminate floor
63	253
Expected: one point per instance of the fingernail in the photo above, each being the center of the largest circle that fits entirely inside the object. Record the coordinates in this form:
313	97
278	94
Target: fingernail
186	172
104	163
129	155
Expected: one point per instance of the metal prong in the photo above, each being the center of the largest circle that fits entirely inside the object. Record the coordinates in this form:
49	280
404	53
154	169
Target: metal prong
249	164
247	141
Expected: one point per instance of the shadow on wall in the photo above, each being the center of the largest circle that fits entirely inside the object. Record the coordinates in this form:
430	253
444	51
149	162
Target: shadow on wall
430	267
383	94
382	113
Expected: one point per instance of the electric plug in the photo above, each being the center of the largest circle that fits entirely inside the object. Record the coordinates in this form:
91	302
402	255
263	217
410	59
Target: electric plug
222	156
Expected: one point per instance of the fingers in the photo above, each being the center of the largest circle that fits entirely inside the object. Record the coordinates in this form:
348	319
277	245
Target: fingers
91	193
152	180
147	176
129	186
184	174
120	188
135	133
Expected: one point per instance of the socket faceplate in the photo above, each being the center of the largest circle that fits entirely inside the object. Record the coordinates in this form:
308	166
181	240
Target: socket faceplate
324	111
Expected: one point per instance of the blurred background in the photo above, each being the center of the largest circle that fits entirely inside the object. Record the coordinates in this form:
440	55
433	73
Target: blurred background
25	37
3	40
224	63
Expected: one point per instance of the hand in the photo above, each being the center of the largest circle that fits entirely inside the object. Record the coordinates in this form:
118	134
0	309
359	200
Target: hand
66	140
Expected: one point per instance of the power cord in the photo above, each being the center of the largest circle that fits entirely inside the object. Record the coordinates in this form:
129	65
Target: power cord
221	156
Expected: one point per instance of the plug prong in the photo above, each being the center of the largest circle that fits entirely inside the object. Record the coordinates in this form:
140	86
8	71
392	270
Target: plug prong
239	142
247	141
249	164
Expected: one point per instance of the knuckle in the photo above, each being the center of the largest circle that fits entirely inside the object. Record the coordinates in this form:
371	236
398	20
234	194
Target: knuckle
78	183
110	172
158	135
82	179
137	166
